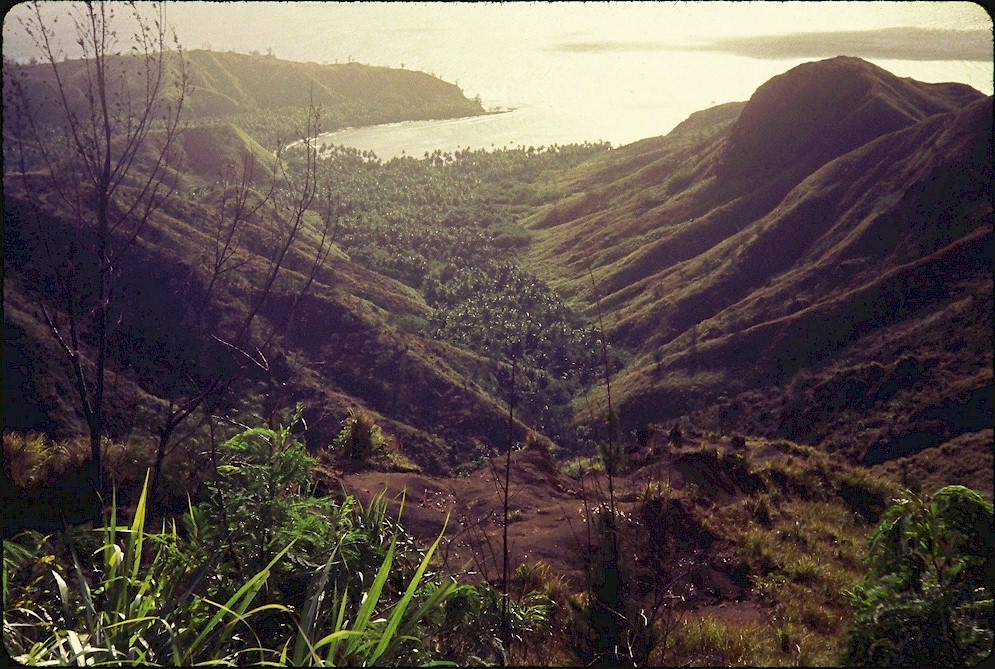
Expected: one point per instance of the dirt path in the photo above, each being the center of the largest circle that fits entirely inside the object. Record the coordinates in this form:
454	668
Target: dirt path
548	514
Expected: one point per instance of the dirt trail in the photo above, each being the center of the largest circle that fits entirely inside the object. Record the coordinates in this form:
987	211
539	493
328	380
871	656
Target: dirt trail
548	512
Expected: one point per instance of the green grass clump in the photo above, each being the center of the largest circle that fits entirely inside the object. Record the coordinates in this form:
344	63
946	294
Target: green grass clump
32	458
577	467
710	642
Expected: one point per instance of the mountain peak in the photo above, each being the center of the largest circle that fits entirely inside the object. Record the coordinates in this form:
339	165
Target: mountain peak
820	110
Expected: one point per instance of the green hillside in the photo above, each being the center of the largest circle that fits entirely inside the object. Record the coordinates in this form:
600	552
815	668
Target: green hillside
756	257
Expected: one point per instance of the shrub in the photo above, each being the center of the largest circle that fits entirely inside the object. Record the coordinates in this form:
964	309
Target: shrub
763	511
577	467
601	635
675	436
738	470
927	600
259	495
361	438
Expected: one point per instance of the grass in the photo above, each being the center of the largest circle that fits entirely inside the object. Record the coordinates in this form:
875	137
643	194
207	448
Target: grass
804	544
710	642
141	604
802	564
143	599
32	458
129	609
577	467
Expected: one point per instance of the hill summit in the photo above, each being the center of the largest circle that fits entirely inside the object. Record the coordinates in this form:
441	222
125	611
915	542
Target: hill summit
818	111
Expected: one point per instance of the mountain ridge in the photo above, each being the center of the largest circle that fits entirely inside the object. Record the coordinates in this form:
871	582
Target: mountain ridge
264	94
742	278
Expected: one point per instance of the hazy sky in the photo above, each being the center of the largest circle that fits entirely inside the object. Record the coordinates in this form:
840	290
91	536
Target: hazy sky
375	32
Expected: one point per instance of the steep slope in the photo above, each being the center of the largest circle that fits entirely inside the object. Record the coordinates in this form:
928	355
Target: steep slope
339	351
219	151
655	203
750	262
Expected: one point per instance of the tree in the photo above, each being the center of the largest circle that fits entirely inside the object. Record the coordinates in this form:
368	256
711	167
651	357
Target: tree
285	206
93	139
927	600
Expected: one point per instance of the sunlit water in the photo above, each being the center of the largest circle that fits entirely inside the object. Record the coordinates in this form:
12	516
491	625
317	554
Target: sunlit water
570	72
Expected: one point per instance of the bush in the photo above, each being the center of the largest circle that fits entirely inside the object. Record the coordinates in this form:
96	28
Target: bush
259	495
675	436
927	600
361	438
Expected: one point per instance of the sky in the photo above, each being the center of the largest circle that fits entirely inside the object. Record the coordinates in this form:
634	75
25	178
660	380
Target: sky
378	31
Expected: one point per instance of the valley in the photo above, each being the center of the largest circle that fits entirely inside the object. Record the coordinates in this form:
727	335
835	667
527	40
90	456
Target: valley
535	394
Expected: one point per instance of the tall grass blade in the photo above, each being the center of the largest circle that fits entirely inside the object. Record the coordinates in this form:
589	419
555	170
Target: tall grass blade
79	654
238	602
138	529
84	588
312	608
64	596
395	619
373	595
333	647
334	638
198	578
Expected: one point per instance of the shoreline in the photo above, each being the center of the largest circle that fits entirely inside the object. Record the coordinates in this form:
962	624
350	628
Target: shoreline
405	123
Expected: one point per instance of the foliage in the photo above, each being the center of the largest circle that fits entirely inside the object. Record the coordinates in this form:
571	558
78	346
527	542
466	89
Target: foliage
133	605
469	625
372	640
260	497
616	625
577	467
172	598
361	438
447	226
33	458
927	600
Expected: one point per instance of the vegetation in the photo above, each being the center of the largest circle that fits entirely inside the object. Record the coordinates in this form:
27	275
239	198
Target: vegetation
110	175
446	225
361	439
927	601
402	305
223	587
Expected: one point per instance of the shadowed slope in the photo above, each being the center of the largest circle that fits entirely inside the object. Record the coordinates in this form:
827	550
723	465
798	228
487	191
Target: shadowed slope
819	226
